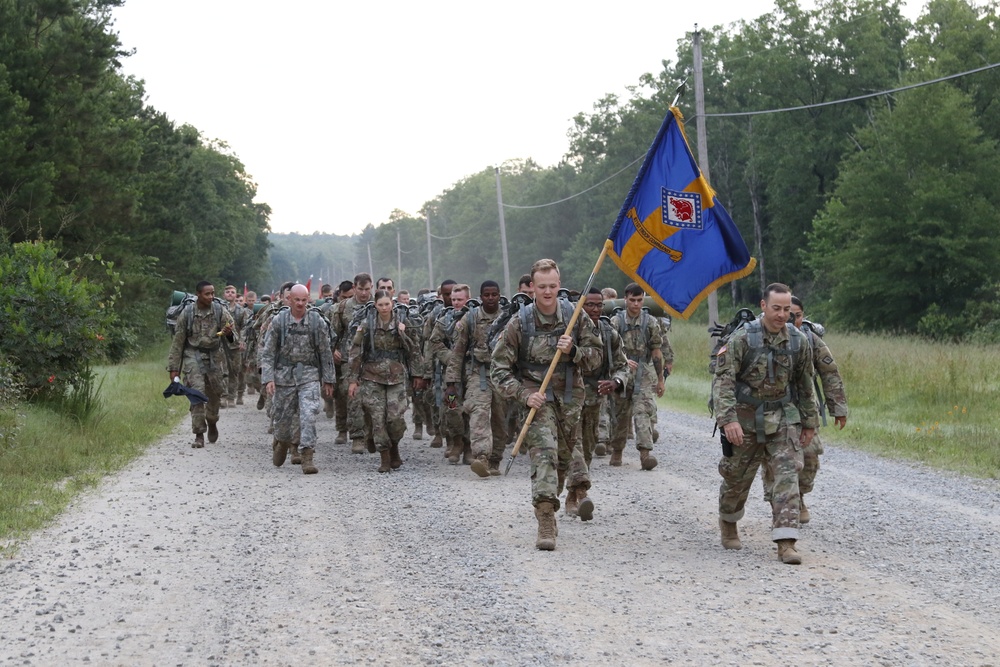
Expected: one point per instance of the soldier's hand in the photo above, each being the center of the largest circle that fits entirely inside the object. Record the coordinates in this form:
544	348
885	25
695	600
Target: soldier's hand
269	387
565	344
841	422
536	400
605	387
734	433
227	330
327	390
807	436
659	387
633	364
173	374
352	389
402	327
419	384
337	356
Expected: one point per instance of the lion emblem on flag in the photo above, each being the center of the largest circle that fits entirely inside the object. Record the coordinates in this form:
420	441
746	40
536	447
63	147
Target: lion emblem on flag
681	209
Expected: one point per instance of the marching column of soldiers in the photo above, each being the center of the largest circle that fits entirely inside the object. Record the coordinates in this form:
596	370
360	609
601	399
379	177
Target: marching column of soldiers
471	369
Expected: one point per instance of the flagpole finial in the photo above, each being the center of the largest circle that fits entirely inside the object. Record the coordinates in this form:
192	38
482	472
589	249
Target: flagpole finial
678	92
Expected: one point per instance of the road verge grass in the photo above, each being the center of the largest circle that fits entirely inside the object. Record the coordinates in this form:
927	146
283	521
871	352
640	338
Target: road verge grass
909	398
55	456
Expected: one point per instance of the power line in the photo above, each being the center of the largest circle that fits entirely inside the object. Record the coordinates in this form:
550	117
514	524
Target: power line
769	111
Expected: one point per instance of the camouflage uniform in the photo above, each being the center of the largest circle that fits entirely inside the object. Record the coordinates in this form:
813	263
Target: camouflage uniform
639	399
769	391
469	367
353	420
437	350
379	363
297	357
234	356
196	351
517	377
614	366
330	404
836	403
434	370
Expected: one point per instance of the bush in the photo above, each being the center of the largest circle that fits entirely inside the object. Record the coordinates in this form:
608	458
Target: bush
11	390
53	323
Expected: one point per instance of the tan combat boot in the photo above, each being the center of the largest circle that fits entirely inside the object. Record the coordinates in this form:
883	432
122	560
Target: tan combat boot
787	553
495	469
239	399
279	453
386	462
803	511
341	438
199	441
455	447
481	466
730	535
616	458
394	459
296	456
307	462
418	431
600	449
585	506
572	505
466	453
546	515
436	442
358	446
646	459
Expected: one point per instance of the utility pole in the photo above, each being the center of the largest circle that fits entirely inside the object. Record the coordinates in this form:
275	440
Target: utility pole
699	109
430	263
371	267
503	236
399	263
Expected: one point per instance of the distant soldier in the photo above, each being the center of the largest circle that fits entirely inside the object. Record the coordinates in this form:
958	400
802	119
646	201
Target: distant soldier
836	402
642	339
467	375
344	322
196	357
234	350
520	361
296	358
524	285
250	375
434	394
766	407
438	350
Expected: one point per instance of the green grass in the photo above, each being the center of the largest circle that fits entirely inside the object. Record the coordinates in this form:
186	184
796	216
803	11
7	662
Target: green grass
909	398
54	456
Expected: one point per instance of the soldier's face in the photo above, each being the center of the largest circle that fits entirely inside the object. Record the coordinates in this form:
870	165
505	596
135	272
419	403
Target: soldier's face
363	292
777	309
797	315
490	298
403	298
344	296
593	305
384	307
459	299
633	304
298	300
446	294
229	294
239	300
387	286
206	296
545	285
526	288
251	300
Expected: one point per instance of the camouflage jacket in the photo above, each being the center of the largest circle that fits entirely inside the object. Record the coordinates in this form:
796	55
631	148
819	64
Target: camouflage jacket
438	342
203	341
470	350
742	382
294	353
513	380
240	317
826	368
614	363
341	315
639	345
386	355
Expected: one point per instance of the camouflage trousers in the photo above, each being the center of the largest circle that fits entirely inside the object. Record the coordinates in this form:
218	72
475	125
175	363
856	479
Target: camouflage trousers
453	418
431	408
604	423
293	413
252	376
234	362
807	476
354	415
340	399
590	417
551	437
208	375
487	420
641	406
781	453
421	410
384	408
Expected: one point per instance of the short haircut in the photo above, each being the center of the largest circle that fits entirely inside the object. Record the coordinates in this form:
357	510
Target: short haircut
361	279
609	293
345	286
776	288
286	286
200	287
445	283
633	289
266	298
525	280
461	288
488	283
594	290
422	291
230	287
796	301
389	280
544	265
327	288
251	295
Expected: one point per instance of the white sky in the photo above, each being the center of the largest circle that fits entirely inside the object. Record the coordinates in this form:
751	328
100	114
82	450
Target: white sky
342	112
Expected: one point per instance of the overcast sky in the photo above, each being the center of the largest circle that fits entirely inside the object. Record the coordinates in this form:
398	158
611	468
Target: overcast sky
343	112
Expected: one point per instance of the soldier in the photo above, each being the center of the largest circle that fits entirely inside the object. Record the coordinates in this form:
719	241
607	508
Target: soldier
524	285
519	364
255	341
403	298
612	377
386	285
434	395
295	358
467	376
344	323
642	339
438	348
234	350
196	356
250	376
763	395
836	402
382	356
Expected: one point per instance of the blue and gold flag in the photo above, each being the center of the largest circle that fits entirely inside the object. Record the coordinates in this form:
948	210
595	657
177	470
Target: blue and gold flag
672	236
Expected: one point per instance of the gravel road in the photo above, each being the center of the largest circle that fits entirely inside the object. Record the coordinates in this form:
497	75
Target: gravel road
215	557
